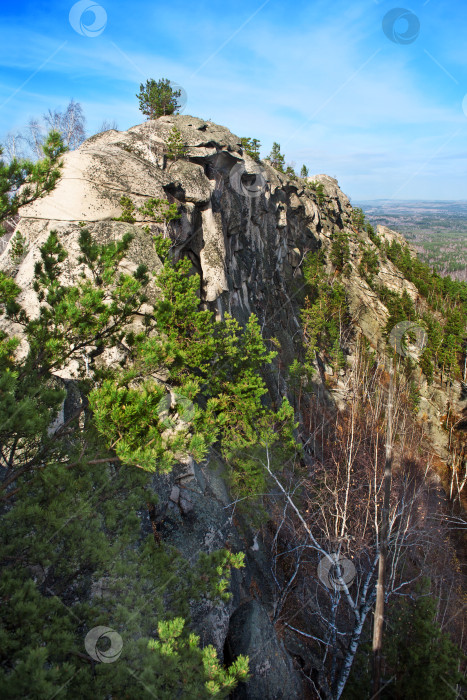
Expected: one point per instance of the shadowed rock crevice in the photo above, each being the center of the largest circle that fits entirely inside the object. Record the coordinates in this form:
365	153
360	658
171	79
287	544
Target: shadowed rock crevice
249	253
273	676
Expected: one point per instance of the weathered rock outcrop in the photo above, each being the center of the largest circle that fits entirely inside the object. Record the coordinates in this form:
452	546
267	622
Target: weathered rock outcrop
252	633
248	249
246	229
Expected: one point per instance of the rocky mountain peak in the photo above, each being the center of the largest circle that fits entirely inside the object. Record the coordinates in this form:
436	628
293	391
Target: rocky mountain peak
248	231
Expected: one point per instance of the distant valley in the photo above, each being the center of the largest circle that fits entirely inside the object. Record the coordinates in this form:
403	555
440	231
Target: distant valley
438	230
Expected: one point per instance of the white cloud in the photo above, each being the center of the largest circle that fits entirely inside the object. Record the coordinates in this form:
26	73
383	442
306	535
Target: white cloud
328	86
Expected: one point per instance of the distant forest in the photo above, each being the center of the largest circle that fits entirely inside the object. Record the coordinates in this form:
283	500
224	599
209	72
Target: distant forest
438	230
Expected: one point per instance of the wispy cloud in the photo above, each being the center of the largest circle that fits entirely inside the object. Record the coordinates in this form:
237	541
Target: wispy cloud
271	75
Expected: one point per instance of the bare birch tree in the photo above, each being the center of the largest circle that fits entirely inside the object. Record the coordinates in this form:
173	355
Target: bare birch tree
383	553
13	146
27	143
327	541
71	124
35	137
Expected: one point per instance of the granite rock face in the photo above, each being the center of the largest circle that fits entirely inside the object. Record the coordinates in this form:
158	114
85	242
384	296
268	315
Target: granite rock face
246	229
252	633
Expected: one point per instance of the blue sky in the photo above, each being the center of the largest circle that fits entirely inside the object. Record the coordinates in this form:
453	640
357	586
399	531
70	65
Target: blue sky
387	119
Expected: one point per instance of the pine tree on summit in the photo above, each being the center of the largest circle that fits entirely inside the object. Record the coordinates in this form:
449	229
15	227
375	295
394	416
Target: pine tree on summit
276	157
157	99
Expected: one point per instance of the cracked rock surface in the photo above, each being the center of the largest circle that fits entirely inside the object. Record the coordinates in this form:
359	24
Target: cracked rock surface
248	251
